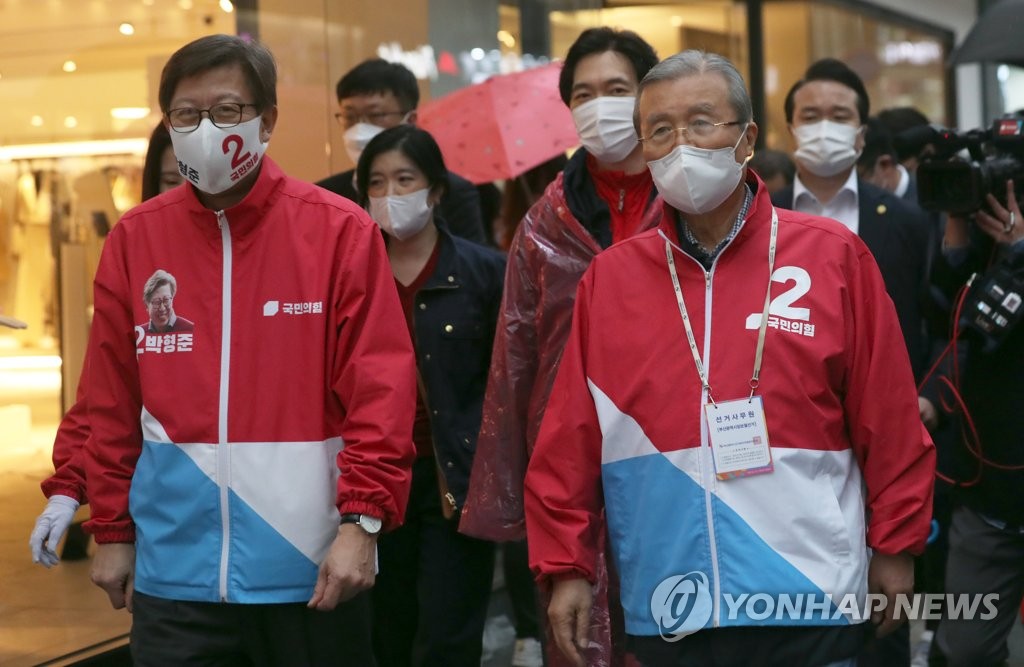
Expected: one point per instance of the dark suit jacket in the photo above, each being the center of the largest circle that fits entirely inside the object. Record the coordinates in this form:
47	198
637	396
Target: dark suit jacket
900	237
460	208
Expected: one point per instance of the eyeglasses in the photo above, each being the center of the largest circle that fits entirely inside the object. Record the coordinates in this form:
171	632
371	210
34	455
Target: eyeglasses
160	303
373	118
700	129
223	115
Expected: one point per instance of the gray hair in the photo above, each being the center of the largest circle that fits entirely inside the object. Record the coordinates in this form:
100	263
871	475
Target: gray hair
155	282
691	63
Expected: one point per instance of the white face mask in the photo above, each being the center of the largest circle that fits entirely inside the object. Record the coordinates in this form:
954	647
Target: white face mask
356	138
215	158
605	126
696	180
826	148
402	216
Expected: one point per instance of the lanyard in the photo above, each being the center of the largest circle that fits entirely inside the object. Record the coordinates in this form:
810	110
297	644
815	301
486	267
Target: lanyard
759	353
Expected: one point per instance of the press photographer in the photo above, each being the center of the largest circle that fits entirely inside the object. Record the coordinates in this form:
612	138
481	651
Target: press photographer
984	246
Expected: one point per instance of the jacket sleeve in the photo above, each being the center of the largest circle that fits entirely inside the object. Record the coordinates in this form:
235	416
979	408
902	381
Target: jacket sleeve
68	478
373	375
114	399
893	449
564	500
494	503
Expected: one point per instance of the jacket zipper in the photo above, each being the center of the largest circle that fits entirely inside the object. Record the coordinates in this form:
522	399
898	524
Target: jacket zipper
223	451
622	199
709	471
705	445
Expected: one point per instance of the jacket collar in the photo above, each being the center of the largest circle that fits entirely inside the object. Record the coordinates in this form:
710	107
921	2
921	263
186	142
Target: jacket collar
583	202
760	214
245	216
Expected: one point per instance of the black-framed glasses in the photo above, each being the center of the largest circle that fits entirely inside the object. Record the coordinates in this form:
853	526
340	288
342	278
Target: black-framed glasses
373	118
701	129
223	115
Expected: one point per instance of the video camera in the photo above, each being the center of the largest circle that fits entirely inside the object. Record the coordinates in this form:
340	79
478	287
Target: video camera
949	183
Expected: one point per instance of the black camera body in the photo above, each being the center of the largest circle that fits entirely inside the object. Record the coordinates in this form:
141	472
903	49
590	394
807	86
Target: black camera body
994	304
949	183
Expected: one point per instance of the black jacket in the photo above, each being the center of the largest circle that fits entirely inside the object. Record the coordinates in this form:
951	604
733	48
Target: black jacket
455	313
461	206
992	386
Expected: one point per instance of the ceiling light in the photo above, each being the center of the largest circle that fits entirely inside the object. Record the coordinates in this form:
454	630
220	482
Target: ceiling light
227	6
36	121
69	66
70	122
148	3
185	4
129	113
74	149
126	29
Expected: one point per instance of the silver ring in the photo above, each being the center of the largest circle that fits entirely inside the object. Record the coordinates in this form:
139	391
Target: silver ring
1010	225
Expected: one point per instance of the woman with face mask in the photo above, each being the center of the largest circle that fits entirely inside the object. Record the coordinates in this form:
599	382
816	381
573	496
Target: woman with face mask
430	599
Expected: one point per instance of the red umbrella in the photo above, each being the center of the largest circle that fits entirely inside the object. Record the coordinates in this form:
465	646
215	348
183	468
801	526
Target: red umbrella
503	126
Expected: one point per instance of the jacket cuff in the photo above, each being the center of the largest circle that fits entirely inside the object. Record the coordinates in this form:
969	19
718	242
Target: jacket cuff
106	534
895	539
70	490
369	509
547	580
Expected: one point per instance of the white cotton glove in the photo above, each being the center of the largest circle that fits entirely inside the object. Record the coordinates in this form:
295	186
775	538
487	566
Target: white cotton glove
50	528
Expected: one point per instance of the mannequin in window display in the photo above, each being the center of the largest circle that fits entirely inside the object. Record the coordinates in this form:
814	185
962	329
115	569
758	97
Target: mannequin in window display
40	195
7	260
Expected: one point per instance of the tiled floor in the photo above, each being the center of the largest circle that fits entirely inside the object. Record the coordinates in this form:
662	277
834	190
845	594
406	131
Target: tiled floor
44	613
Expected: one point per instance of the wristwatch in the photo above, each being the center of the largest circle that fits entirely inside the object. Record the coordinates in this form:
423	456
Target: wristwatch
370	524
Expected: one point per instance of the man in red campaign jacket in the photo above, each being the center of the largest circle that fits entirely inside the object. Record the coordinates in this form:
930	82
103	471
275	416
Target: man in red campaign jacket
736	402
251	458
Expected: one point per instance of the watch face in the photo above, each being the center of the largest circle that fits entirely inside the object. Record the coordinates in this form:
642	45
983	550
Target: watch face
370	524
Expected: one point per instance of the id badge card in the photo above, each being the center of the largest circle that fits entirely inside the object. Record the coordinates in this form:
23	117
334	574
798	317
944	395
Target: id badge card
739	438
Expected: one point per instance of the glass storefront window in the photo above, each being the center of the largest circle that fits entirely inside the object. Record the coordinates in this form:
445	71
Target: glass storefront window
719	26
901	65
72	73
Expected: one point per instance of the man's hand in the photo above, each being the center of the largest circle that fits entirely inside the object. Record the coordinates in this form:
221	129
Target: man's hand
929	415
348	569
113	570
569	615
50	528
1003	223
890	576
